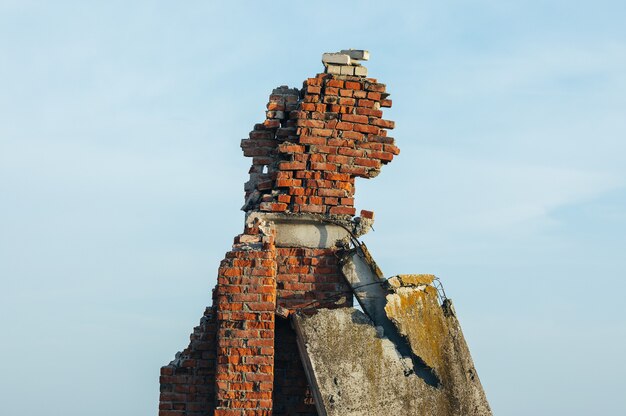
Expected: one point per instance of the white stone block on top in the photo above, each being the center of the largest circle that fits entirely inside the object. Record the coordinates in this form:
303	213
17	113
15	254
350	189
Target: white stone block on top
358	54
336	58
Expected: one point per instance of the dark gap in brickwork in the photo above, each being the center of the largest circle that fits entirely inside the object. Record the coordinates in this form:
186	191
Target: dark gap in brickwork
292	396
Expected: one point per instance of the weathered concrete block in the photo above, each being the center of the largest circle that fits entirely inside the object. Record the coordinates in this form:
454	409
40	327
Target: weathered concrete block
347	70
407	308
354	370
302	230
360	71
333	69
336	58
411	280
359	54
434	334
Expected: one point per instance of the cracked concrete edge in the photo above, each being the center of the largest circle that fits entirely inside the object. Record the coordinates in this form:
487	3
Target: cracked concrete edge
309	368
311	230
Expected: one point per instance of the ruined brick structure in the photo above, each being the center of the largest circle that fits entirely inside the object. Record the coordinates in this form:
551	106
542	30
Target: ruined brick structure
243	358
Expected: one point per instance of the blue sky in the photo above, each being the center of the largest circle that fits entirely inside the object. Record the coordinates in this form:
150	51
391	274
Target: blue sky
121	180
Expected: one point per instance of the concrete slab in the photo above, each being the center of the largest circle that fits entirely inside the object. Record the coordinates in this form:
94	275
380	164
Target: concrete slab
407	308
354	370
372	291
303	230
359	54
336	58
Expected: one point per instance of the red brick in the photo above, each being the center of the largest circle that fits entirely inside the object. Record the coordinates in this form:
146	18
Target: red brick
338	159
334	83
273	106
347	101
375	87
323	149
353	135
392	149
347	201
322	132
371	145
308	106
386	156
332	192
333	176
370	163
312	140
296	190
310	123
354	170
291	165
311	89
342	210
344	126
288	182
351	152
313	81
388	124
341	142
312	208
271	124
323	166
366	128
369	112
353	118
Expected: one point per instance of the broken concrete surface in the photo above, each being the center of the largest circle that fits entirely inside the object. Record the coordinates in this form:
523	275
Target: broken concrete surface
305	230
435	335
370	377
354	371
411	280
367	282
418	316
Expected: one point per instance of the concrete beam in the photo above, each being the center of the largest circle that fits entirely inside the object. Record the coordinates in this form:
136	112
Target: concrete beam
371	290
304	230
336	58
358	54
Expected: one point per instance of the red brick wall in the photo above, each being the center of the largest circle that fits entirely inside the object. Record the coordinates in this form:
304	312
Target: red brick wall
246	301
187	385
314	142
240	331
310	278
